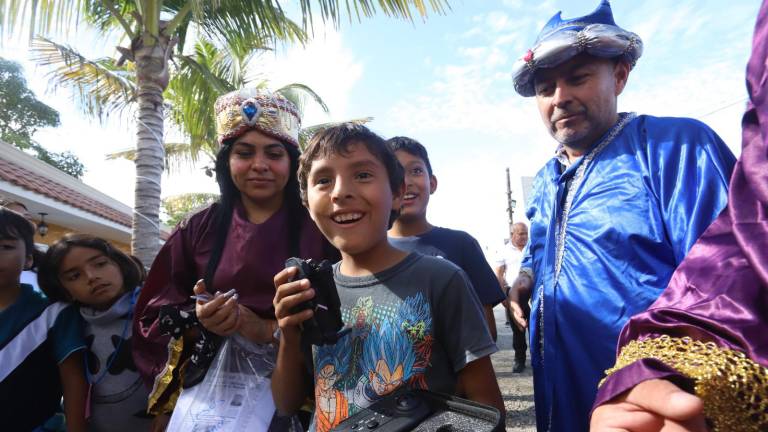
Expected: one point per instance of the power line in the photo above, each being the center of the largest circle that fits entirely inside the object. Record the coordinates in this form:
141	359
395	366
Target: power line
728	105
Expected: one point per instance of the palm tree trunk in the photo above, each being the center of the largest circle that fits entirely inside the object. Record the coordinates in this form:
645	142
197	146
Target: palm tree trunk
152	79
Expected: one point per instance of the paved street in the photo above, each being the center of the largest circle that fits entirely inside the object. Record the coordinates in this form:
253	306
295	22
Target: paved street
516	389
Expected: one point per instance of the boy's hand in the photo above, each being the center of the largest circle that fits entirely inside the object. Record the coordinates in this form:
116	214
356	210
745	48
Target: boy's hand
289	388
521	285
220	315
288	296
651	406
478	382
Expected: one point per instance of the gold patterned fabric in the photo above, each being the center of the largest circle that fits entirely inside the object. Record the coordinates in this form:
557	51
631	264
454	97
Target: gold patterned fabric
242	110
734	388
167	387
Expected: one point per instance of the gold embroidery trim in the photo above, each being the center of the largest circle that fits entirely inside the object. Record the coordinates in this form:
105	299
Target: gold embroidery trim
164	378
734	388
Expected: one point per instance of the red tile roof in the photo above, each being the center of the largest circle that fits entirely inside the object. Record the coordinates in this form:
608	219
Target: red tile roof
13	173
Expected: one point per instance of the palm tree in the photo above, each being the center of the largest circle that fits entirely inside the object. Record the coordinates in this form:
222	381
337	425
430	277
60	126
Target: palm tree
198	81
154	29
204	76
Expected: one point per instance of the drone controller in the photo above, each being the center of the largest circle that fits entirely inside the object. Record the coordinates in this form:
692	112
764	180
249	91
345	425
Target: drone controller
423	411
325	326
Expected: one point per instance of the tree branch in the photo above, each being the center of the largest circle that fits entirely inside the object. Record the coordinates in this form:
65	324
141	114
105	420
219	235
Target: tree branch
178	19
150	10
115	13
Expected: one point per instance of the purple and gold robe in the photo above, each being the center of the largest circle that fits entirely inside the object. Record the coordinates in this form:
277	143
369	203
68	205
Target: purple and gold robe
253	254
709	329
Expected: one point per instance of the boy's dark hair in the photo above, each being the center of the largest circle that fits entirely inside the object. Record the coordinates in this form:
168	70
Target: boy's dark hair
48	272
336	140
14	226
412	147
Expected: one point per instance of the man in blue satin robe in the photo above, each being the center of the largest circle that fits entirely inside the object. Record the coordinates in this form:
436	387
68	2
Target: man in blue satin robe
613	213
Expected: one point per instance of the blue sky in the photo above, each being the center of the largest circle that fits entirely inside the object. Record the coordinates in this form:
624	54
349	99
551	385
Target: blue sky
446	82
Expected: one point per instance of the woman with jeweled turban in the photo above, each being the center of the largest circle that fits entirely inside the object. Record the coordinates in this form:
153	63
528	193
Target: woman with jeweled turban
228	252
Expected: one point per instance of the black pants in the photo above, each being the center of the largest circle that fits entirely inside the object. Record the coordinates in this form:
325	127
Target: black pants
519	337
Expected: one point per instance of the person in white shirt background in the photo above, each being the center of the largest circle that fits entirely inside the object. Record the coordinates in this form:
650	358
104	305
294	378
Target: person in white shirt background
507	269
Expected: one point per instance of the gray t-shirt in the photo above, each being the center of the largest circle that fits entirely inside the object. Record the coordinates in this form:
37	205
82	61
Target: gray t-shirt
118	395
417	323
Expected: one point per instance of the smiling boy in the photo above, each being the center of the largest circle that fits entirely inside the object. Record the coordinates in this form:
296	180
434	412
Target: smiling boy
412	231
414	320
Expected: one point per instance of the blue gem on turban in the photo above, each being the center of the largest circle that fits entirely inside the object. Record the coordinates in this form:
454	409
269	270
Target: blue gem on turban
560	40
251	110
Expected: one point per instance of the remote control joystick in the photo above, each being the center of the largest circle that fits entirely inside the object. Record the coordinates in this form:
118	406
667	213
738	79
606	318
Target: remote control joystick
406	402
420	410
325	326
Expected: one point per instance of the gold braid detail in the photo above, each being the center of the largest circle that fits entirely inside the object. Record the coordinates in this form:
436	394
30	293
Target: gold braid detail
734	388
163	381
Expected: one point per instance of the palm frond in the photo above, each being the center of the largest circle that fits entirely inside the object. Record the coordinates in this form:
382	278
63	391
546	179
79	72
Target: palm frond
299	93
220	85
194	88
330	9
177	207
113	15
42	17
234	23
100	87
177	156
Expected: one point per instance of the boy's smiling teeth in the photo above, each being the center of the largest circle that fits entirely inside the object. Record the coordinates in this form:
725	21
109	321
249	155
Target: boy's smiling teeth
347	217
409	196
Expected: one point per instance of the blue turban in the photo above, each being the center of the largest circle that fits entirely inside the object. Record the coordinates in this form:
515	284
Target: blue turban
560	40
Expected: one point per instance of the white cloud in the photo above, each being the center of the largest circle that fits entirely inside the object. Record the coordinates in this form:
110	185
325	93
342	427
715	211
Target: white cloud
468	115
712	95
497	21
325	65
474	125
512	4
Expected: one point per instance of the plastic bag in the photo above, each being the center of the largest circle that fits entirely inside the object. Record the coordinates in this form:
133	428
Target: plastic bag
235	395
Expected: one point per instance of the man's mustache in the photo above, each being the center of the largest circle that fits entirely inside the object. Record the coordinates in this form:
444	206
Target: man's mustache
563	114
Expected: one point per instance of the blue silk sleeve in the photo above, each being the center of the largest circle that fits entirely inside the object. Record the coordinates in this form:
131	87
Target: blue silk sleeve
539	211
694	167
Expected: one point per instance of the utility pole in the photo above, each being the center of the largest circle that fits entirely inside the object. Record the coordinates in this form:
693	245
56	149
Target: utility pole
511	203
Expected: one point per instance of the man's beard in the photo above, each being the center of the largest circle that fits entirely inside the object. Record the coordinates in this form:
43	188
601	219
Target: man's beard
568	136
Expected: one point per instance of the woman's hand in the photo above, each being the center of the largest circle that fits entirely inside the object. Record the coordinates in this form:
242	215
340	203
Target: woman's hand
651	406
220	315
255	328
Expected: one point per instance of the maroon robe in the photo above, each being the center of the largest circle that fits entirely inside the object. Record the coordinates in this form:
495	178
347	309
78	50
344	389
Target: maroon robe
253	254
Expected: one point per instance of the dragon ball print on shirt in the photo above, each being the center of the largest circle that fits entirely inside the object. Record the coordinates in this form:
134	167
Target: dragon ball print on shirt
390	345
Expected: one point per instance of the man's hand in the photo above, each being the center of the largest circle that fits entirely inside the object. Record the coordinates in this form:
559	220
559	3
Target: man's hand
522	285
220	315
651	406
